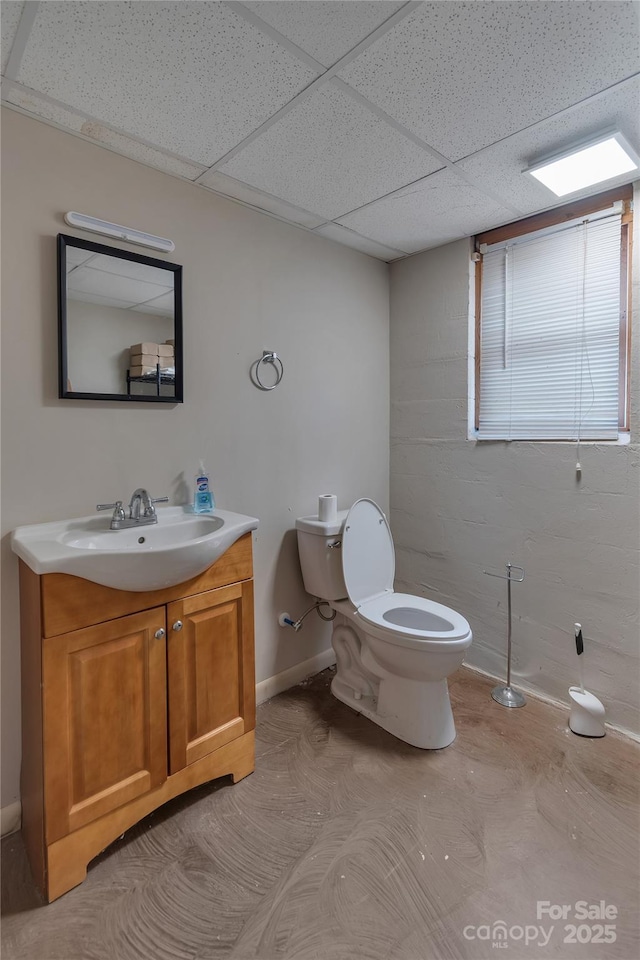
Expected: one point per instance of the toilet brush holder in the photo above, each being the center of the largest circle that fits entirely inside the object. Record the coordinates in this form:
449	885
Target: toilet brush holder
587	713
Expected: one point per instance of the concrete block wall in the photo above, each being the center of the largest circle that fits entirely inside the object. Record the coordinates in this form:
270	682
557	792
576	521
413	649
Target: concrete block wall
459	506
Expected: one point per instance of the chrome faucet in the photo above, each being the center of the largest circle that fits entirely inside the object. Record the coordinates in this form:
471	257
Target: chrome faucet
140	499
141	510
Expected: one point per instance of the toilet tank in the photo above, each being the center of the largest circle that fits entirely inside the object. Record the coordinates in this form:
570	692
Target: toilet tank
321	557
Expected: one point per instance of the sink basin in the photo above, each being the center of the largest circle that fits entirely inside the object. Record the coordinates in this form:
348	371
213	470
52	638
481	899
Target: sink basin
171	532
180	546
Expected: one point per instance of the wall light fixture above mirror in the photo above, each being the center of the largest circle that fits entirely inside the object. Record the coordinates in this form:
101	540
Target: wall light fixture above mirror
120	324
84	222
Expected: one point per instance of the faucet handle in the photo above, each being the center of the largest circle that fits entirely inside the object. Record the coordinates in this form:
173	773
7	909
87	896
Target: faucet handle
118	511
150	510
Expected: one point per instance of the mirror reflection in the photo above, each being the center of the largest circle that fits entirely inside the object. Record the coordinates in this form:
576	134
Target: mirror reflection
120	324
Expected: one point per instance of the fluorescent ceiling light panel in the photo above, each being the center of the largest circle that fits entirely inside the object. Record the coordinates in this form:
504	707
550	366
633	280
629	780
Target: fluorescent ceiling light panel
92	224
603	159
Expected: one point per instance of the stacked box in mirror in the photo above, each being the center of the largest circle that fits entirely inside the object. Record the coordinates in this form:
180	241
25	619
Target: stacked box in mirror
145	358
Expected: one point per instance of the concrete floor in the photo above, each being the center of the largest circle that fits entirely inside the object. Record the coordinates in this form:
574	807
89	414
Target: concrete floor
347	844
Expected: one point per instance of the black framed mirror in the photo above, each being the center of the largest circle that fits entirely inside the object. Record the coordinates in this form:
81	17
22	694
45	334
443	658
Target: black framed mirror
119	324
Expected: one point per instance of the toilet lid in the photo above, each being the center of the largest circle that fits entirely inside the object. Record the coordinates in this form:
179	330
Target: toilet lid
368	560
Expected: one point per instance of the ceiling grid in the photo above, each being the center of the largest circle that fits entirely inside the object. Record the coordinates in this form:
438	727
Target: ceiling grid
390	127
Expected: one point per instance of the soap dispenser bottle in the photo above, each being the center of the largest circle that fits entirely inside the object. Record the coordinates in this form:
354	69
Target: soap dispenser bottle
203	501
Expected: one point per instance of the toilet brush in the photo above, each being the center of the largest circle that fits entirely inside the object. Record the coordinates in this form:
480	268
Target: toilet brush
587	712
580	652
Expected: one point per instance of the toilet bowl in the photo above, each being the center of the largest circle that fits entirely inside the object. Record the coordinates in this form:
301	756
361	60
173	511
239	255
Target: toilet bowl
394	651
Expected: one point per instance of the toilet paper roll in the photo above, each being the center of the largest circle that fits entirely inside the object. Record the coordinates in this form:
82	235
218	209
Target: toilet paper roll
328	508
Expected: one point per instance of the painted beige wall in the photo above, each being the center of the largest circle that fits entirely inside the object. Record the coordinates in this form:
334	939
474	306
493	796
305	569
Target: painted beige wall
250	282
459	506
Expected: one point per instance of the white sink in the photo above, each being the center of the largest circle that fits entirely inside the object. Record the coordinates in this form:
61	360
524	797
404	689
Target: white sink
176	548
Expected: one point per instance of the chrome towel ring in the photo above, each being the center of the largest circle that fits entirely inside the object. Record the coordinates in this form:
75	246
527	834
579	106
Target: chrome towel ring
268	356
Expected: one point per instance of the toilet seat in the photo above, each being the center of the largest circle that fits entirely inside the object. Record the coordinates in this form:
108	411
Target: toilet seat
368	566
400	616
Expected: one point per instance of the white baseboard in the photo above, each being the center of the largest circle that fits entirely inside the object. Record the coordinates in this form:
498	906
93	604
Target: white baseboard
290	678
10	818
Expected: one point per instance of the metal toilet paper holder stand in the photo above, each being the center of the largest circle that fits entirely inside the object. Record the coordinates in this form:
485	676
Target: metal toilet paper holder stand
506	695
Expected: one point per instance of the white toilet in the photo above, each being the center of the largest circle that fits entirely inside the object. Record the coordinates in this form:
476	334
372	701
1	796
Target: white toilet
394	651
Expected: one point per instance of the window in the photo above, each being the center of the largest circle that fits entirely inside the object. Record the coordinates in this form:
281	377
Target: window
552	338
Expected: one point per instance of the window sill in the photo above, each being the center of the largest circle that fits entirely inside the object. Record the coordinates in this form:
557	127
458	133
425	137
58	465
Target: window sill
623	440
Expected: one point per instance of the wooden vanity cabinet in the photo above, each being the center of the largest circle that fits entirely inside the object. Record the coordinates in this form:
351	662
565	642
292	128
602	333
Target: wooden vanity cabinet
104	719
211	694
128	699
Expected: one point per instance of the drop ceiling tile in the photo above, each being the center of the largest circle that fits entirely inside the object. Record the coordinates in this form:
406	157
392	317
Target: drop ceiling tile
10	13
85	280
57	114
131	270
330	154
325	30
75	256
499	168
163	306
189	77
440	208
84	296
333	231
229	187
466	74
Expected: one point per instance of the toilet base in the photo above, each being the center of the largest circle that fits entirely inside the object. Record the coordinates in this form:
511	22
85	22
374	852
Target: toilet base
417	712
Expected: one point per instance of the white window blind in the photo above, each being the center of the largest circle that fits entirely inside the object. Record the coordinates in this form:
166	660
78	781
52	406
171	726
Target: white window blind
550	328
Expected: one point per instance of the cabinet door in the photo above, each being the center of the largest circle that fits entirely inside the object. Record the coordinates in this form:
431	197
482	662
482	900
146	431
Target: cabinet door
105	718
211	671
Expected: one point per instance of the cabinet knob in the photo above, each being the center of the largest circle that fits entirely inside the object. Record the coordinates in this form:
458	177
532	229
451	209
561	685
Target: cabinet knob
159	634
177	625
